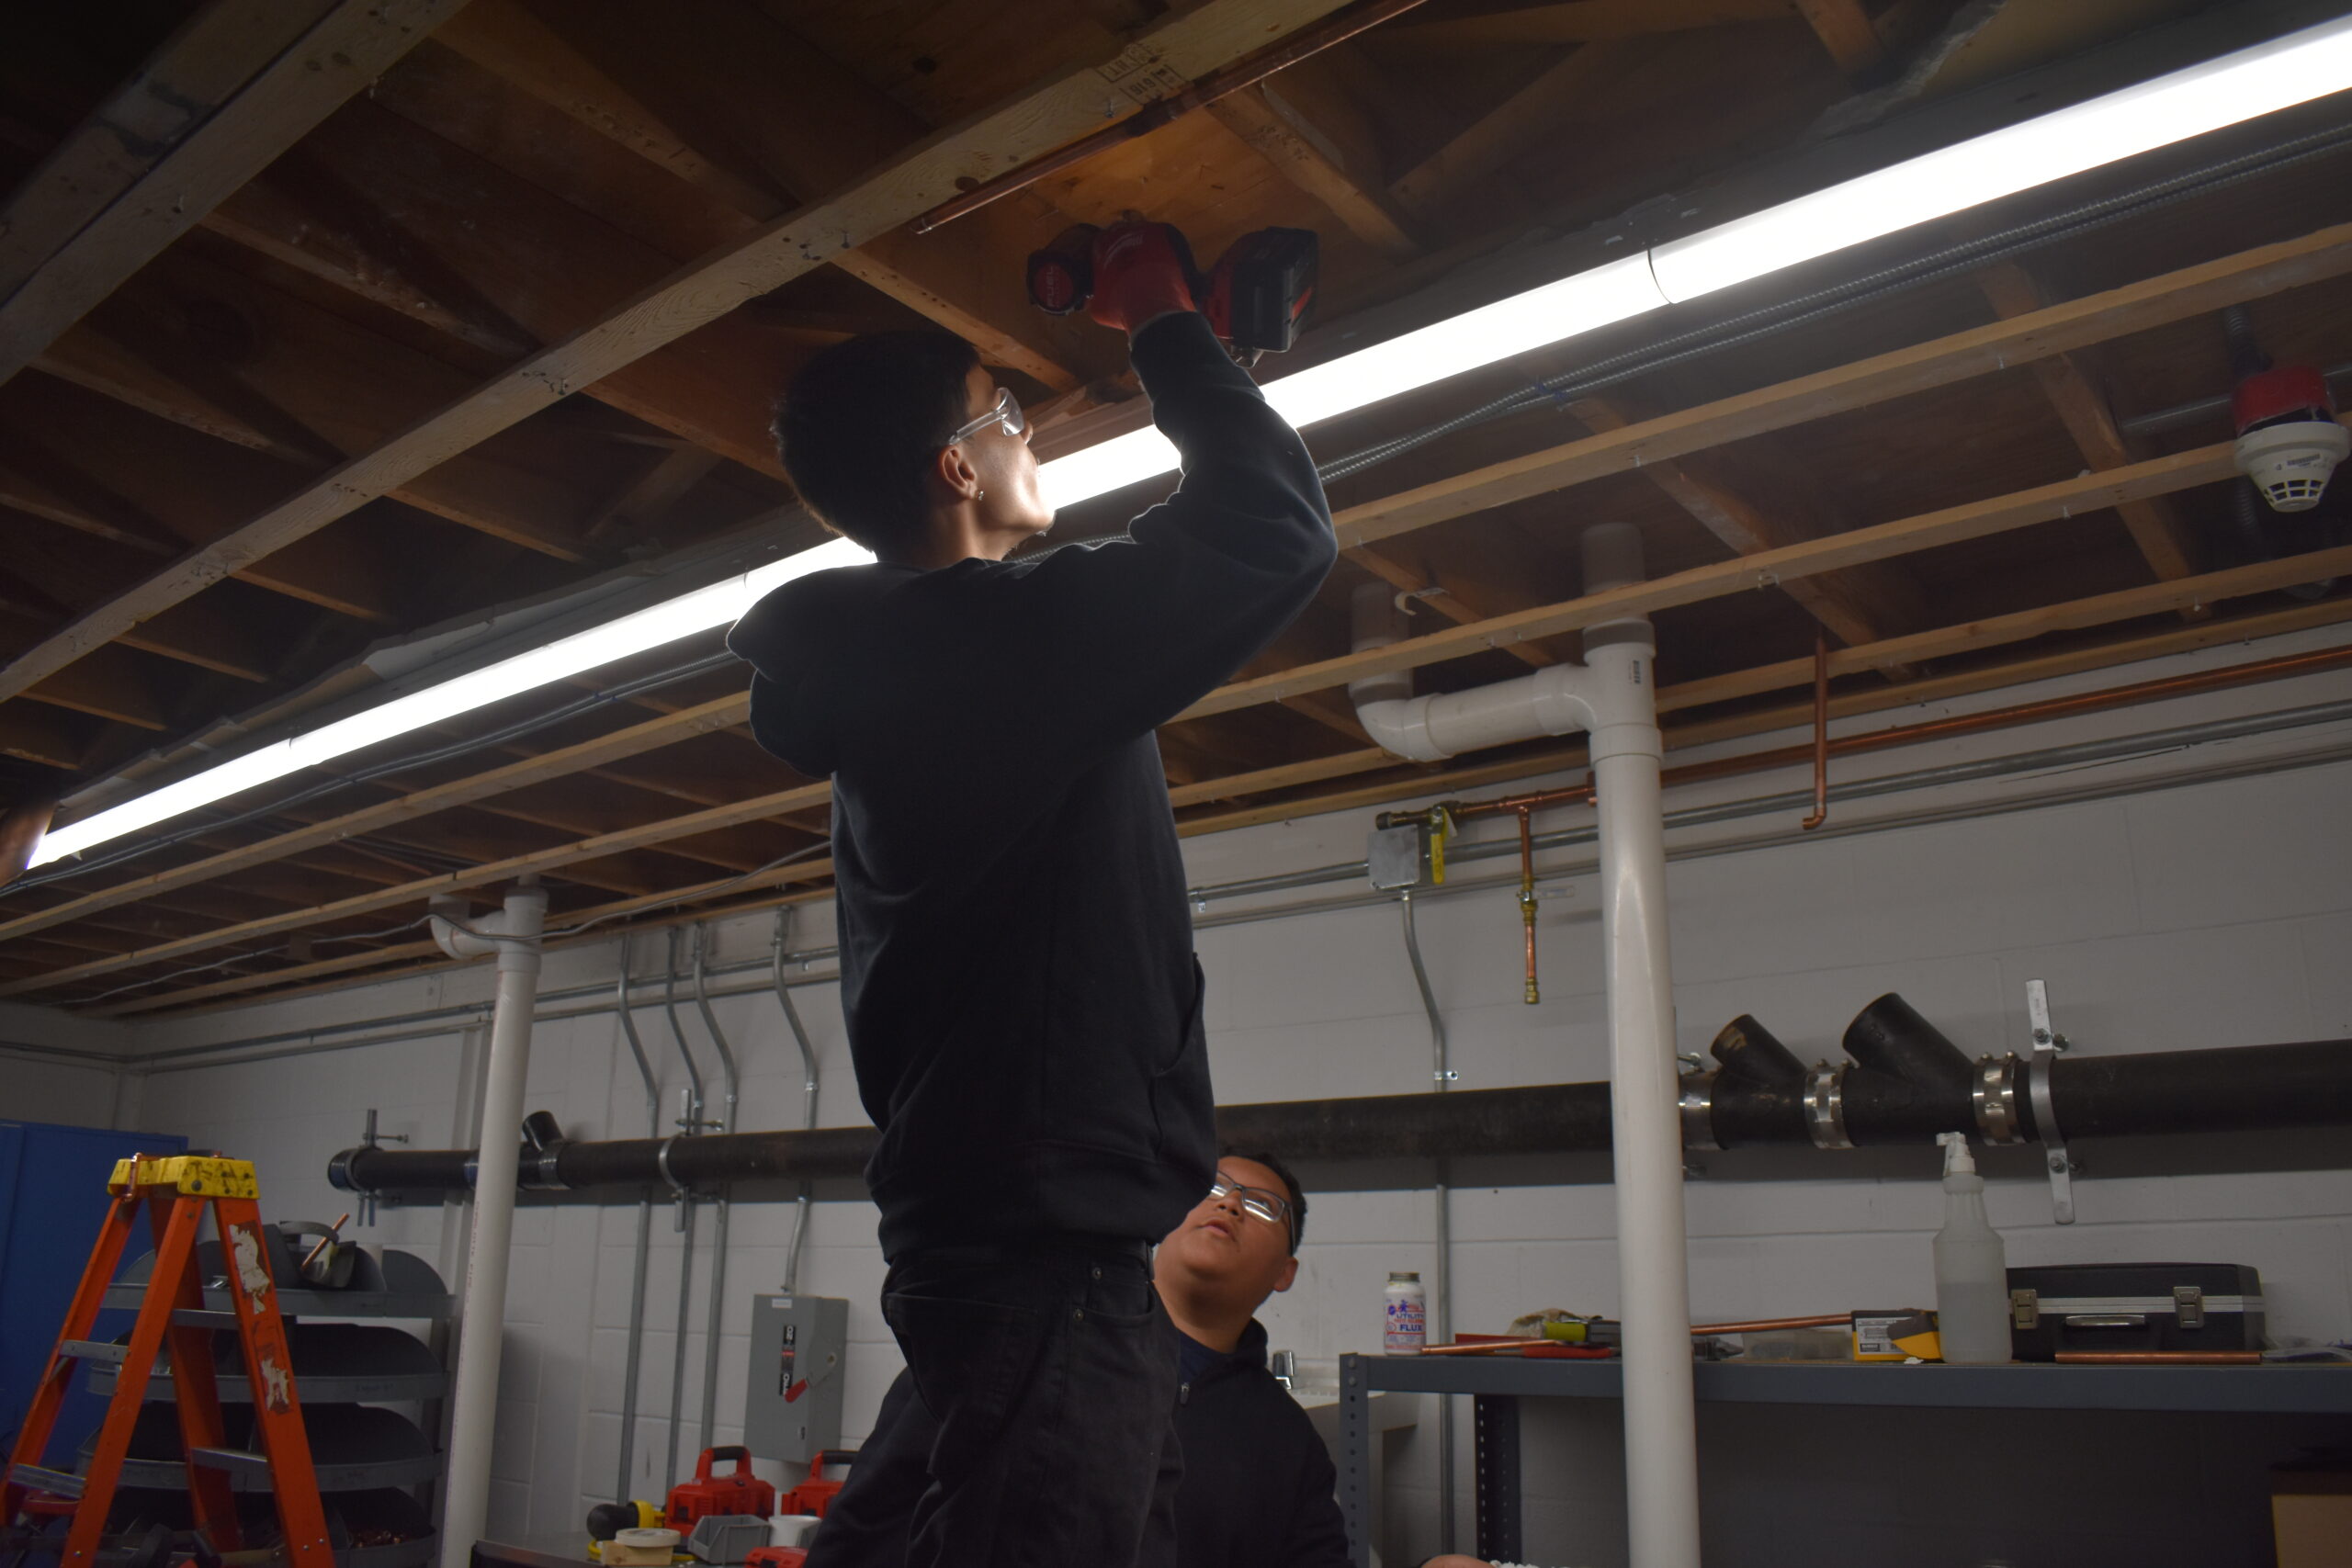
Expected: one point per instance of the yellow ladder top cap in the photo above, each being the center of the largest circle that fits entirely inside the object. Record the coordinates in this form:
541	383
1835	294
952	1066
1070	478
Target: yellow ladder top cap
193	1175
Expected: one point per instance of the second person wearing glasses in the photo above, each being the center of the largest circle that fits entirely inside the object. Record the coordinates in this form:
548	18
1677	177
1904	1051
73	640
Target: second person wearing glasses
1024	1008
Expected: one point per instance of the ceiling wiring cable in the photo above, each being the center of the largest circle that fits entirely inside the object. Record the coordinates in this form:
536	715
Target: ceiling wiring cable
170	976
1785	315
710	891
455	749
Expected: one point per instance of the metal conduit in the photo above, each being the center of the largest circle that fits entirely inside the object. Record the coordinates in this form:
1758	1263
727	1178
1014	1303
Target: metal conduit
624	1011
1441	1319
777	946
690	1126
332	1037
726	1200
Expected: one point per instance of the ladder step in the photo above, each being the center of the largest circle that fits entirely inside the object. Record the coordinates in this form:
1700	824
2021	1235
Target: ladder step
229	1458
198	1317
65	1484
93	1351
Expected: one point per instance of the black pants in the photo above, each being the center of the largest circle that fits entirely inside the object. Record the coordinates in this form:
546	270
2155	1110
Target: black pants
1034	1424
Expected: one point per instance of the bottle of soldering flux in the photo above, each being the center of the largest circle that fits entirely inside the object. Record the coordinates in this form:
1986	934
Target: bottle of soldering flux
1972	1271
1408	1312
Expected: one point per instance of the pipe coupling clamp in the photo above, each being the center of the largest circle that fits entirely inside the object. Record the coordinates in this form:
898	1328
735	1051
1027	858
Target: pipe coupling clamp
1825	1107
1994	1096
537	1170
1698	1106
339	1175
661	1164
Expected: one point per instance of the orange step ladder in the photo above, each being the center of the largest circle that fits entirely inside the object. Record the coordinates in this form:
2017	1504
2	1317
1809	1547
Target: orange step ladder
175	1193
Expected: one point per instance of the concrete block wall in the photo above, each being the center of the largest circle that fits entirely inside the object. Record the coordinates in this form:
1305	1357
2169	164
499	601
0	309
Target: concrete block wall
2214	911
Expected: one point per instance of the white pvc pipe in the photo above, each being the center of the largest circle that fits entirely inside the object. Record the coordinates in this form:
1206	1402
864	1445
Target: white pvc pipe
1661	1438
1612	697
474	1404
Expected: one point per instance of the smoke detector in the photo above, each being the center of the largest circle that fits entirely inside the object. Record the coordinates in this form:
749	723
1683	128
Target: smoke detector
2289	441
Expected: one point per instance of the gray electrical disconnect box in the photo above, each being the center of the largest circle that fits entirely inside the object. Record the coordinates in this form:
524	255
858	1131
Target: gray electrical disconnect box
792	1408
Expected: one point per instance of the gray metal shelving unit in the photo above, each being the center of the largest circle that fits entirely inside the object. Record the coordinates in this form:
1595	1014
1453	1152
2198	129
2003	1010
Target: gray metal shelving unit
365	1456
1498	1384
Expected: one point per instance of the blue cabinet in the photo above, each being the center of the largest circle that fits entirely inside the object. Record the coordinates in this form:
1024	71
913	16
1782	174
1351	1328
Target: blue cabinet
52	1198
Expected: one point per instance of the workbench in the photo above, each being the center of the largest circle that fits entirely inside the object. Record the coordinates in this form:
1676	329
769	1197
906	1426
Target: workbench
1498	1384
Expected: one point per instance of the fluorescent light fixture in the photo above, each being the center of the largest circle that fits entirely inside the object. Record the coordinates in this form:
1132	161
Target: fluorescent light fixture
2236	87
721	603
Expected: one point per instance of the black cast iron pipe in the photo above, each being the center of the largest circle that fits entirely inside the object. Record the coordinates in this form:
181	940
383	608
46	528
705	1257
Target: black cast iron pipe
1889	1036
2236	1089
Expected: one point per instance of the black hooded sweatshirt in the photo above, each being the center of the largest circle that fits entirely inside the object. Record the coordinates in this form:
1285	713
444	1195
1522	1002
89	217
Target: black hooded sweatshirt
1017	974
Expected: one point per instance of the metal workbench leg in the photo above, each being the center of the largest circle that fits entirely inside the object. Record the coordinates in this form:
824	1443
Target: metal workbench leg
1497	1465
1355	1459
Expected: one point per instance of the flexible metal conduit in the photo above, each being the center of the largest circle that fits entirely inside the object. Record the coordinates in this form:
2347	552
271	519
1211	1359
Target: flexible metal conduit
1442	1318
2245	1088
666	1164
778	953
726	1200
624	1012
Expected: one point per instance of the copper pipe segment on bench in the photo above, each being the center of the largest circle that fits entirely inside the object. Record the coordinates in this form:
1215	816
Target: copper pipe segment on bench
1160	111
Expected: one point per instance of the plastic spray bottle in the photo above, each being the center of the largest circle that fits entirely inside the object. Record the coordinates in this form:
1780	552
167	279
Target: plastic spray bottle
1971	1273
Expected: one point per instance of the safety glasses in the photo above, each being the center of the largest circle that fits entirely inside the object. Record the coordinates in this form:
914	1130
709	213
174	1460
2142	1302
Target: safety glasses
1006	411
1256	1202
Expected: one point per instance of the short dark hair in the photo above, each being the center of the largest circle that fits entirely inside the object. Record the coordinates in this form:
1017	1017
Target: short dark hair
859	424
1290	1184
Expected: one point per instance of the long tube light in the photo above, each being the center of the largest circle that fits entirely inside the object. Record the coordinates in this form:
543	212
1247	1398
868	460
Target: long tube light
2252	81
2228	90
720	604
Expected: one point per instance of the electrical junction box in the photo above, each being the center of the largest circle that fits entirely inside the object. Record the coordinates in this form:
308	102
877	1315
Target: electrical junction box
1398	857
792	1404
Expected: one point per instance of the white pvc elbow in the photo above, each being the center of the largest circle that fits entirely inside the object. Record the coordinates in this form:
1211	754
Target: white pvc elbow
1604	696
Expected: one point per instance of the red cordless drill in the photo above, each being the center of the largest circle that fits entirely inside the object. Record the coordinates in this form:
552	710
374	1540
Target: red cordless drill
1257	296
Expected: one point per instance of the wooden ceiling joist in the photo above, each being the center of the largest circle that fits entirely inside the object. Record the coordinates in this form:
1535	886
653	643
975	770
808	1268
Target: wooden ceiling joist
1189	45
2095	318
227	95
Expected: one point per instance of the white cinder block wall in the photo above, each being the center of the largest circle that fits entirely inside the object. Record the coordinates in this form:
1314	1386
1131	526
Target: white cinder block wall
2205	913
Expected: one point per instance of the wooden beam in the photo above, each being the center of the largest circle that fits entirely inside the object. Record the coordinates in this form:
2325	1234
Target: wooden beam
154	191
2024	625
1859	606
636	738
1456	174
113	683
1428	588
1303	122
1884	541
795	125
1190	44
1845	31
2164	539
1583	21
213	54
36	735
555	857
2171	296
1794	716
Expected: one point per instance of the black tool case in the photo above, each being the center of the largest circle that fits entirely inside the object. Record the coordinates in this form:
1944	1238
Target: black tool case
2133	1306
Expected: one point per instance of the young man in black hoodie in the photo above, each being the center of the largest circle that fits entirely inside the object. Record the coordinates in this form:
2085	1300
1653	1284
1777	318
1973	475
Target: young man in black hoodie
1017	975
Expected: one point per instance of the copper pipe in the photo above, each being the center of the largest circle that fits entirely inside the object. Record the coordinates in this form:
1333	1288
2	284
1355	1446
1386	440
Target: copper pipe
2169	686
327	1240
1527	894
1160	111
1759	1325
1766	1325
1820	733
2160	1358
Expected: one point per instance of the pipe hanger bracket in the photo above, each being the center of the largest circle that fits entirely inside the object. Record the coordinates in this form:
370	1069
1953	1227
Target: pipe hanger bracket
2047	1043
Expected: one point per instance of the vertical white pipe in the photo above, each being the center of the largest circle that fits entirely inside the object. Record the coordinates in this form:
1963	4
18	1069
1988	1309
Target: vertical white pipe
1661	1436
474	1406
